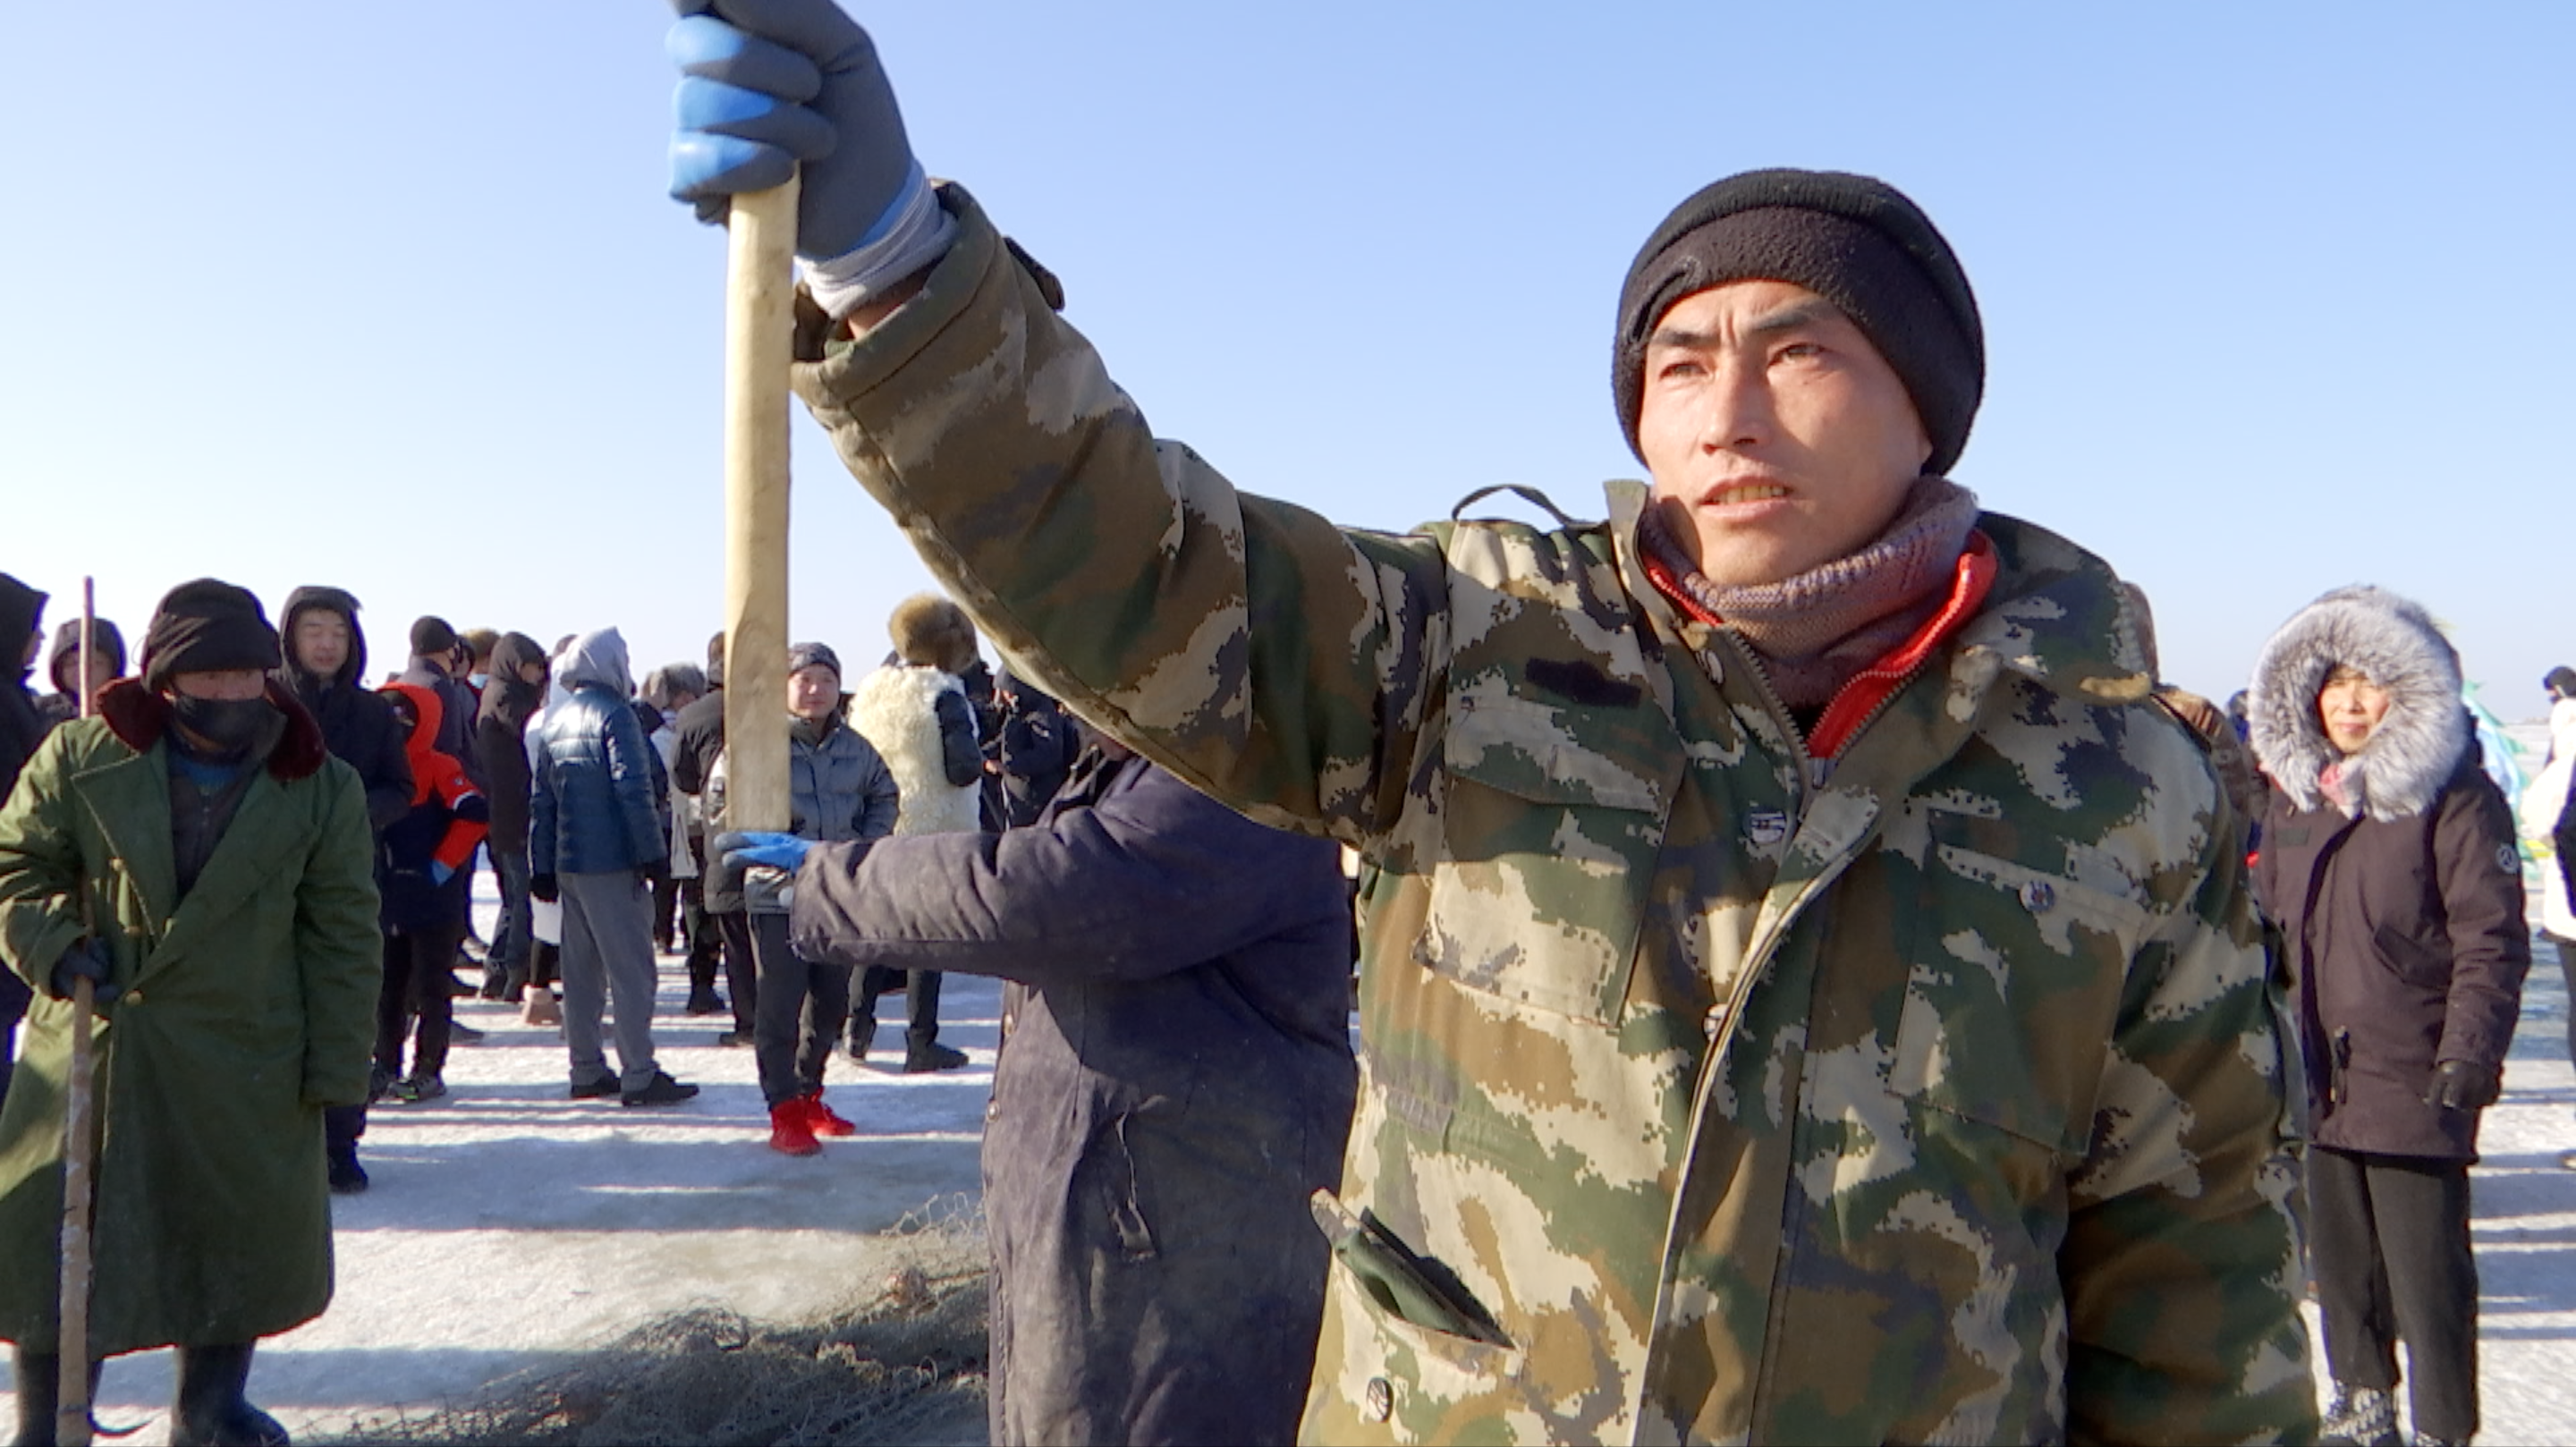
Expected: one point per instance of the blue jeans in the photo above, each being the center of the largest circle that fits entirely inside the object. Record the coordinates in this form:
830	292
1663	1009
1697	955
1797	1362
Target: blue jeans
508	959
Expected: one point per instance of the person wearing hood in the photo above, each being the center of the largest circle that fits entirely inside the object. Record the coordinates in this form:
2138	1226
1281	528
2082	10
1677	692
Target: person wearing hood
2389	863
22	722
325	659
76	673
424	868
510	698
22	727
198	855
596	844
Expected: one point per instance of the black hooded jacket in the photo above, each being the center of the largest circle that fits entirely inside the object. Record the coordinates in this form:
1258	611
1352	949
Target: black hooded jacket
22	726
358	727
500	745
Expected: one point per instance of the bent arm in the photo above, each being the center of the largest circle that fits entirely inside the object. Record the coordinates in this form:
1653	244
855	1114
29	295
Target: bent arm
1250	646
2180	1265
1157	878
2480	872
40	866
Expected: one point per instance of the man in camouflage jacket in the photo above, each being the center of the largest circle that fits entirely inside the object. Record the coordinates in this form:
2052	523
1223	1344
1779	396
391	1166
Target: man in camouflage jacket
1732	1068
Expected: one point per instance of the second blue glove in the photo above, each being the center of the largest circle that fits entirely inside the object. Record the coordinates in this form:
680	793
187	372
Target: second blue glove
741	851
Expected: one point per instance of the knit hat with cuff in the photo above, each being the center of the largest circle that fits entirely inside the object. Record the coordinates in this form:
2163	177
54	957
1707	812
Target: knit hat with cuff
1855	241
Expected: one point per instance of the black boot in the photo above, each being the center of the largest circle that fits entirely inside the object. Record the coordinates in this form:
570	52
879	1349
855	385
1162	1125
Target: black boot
40	1380
212	1410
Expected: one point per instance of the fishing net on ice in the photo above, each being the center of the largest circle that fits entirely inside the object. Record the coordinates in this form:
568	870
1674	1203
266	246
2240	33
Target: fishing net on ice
905	1366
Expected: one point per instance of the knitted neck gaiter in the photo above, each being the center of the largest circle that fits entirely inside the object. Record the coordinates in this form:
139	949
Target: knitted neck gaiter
1816	630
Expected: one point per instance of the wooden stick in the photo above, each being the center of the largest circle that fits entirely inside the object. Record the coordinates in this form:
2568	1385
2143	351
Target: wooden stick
760	316
71	1397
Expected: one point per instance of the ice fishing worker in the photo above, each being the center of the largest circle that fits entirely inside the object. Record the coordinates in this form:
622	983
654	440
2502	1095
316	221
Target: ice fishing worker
1174	1083
2389	860
200	856
1807	991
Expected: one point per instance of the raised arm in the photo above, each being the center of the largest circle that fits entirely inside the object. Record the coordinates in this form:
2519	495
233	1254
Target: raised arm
1246	644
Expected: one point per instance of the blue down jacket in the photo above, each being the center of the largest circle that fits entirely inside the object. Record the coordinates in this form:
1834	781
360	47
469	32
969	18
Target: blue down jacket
590	808
1176	1079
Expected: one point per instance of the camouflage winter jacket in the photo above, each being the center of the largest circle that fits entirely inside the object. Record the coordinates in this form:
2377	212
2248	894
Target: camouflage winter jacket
1706	1094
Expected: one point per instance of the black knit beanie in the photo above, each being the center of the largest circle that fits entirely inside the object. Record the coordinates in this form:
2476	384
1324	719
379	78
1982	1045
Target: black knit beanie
206	627
431	637
1855	241
802	656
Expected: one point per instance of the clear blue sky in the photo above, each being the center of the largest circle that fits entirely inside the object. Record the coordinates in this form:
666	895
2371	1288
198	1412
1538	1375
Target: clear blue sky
389	296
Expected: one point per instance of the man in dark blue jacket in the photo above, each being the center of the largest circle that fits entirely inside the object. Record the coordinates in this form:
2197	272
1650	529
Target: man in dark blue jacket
1177	1049
596	843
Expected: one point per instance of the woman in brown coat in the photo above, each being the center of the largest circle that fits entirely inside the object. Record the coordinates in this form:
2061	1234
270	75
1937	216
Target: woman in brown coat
2389	861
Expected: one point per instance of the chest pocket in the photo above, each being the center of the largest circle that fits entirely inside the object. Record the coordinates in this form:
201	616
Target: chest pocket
2015	969
1548	849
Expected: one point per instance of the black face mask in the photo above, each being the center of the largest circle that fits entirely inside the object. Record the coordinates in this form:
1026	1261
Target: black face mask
230	724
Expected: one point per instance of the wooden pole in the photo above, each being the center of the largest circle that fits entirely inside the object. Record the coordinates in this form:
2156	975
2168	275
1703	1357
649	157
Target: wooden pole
760	316
71	1396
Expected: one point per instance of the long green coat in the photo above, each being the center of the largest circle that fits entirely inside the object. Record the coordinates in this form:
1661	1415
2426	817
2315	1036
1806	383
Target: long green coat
247	1007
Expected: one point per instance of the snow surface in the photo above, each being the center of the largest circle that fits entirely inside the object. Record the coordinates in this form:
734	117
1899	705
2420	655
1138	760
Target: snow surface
510	1228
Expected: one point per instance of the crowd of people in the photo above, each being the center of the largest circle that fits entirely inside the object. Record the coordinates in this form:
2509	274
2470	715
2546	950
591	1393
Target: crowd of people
1814	983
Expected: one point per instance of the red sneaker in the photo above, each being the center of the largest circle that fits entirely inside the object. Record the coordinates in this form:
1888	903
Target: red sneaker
823	1119
791	1130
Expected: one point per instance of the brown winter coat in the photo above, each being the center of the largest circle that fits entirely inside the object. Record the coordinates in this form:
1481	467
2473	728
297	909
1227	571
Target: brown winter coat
247	1006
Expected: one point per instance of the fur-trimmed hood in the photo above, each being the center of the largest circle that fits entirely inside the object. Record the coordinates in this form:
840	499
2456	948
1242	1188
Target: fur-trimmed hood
2401	769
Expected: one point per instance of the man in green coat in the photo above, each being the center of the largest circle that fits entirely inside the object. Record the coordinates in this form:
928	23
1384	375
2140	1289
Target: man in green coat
198	854
1809	993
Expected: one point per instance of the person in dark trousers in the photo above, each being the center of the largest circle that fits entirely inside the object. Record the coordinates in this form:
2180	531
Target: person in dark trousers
2389	863
717	936
917	713
595	844
22	727
837	789
424	866
77	673
1175	1081
325	661
517	686
438	661
234	959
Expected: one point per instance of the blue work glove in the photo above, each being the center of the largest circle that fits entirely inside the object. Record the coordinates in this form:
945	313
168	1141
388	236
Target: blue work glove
90	959
440	871
740	852
767	85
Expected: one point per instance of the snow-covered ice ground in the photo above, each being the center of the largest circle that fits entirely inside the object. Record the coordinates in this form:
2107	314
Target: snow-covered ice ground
510	1228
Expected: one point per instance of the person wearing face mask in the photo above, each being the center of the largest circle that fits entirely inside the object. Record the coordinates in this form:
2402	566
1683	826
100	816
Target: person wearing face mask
2389	862
197	853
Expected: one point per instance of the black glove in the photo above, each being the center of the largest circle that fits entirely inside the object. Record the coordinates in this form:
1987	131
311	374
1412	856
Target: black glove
651	875
544	888
92	960
2464	1085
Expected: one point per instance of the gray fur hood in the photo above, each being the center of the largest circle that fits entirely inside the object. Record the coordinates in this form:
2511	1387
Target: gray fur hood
2407	760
